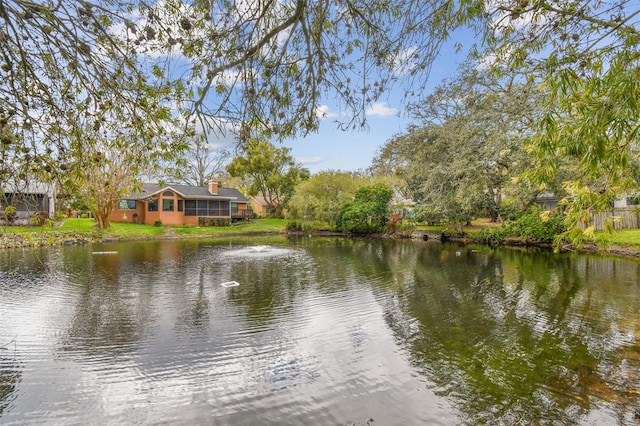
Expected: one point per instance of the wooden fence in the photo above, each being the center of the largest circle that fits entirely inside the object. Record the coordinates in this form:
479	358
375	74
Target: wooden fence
621	217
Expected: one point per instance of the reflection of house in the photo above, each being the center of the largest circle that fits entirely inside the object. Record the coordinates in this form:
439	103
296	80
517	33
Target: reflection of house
261	207
181	204
29	198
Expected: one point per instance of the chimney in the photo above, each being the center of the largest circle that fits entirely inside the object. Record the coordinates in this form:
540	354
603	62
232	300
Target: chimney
213	186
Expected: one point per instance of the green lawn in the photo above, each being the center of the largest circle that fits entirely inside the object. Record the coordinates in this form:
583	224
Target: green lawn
253	226
625	237
130	230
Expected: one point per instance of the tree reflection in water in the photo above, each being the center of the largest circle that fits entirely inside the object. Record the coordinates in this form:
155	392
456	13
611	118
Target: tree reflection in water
505	350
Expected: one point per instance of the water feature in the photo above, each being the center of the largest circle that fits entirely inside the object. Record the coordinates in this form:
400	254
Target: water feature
317	332
259	252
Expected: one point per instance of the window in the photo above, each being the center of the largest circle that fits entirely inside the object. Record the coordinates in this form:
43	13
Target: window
213	208
152	205
234	207
180	205
633	201
206	208
202	208
167	204
25	202
167	194
127	205
190	207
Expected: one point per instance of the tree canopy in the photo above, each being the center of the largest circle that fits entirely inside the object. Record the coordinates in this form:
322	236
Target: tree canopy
587	55
64	62
470	148
272	172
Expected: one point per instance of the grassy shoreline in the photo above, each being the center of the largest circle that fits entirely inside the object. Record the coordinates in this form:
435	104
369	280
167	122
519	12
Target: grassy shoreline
83	231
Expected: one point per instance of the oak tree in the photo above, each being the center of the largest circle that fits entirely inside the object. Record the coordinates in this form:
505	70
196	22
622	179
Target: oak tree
271	171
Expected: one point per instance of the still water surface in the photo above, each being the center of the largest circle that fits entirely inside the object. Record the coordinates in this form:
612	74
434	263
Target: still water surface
317	332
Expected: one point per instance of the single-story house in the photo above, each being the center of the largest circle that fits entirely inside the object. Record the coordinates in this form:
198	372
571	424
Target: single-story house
28	198
260	206
174	204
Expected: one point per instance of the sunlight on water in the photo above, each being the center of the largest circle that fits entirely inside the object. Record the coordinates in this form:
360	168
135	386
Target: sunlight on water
324	332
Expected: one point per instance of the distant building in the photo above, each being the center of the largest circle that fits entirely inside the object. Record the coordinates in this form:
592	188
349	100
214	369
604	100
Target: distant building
29	198
174	204
260	206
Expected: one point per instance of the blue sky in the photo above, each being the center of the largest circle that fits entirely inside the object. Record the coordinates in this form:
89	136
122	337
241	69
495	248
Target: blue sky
331	148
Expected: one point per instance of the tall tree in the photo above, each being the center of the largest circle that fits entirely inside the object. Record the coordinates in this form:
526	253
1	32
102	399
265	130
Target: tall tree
62	59
107	152
323	195
588	54
464	158
205	162
202	161
272	171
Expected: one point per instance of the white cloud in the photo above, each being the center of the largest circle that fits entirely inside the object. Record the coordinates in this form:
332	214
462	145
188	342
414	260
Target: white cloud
486	62
323	112
381	109
502	20
404	62
311	160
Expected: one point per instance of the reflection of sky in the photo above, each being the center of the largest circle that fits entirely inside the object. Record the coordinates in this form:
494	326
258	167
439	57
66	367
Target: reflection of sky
325	356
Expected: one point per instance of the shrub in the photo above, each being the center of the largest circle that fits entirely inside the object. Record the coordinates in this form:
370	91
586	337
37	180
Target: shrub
59	215
538	226
294	225
214	221
532	225
308	225
157	223
367	213
510	212
39	218
492	236
10	214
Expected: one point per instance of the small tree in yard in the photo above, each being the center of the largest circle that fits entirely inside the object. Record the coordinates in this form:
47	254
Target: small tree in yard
368	212
107	155
272	172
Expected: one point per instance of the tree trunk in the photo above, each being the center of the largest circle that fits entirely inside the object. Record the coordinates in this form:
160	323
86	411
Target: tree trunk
103	215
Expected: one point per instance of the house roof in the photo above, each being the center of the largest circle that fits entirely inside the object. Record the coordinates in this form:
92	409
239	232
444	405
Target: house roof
546	196
262	200
189	192
28	187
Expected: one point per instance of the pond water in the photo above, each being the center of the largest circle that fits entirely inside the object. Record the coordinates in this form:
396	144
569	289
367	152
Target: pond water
317	331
